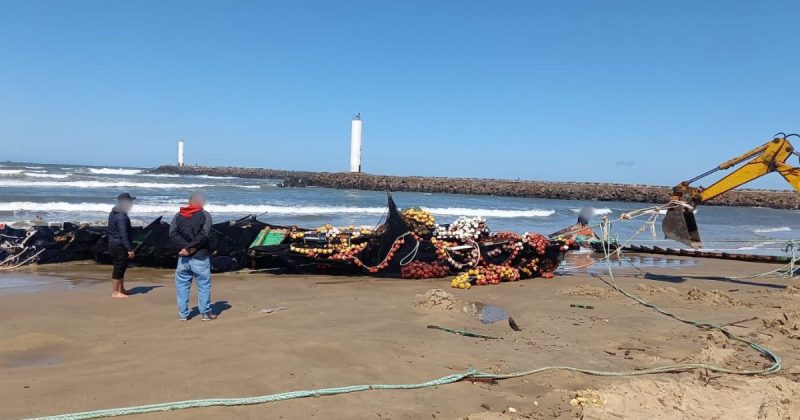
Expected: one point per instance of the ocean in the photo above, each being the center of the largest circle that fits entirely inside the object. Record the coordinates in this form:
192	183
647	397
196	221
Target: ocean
68	193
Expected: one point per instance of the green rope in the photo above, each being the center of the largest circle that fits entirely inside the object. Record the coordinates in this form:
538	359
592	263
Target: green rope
467	375
465	333
225	402
776	360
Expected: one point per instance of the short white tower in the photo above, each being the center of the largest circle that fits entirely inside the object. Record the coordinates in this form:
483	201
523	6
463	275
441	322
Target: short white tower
355	144
180	153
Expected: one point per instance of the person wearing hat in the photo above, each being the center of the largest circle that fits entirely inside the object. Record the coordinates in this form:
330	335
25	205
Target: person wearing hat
120	245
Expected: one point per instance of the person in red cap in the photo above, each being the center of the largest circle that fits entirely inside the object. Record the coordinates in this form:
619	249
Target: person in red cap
190	230
120	243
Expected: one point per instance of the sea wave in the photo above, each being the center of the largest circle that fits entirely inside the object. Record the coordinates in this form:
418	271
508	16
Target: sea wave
189	176
114	184
772	230
597	212
114	171
754	246
163	175
161	208
6	172
496	213
213	177
40	175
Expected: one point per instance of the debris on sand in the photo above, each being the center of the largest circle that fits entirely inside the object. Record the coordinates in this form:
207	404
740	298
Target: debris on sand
587	398
585	290
720	350
436	299
791	290
713	355
273	309
657	290
714	297
671	397
787	323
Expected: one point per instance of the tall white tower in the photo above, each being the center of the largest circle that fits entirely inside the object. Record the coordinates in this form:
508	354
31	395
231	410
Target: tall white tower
180	153
355	144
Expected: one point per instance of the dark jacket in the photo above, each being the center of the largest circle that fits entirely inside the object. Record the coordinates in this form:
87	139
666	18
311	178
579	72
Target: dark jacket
119	230
192	233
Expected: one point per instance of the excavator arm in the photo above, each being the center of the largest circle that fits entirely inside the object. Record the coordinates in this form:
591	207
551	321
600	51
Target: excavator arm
679	223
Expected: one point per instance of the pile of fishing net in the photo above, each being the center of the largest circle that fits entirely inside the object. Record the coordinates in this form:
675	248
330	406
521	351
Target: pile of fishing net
59	243
410	244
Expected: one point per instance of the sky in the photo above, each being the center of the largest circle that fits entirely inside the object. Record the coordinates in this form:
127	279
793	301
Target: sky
611	91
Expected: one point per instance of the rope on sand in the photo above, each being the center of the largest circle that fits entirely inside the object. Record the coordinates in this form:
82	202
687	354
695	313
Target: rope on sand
470	374
465	333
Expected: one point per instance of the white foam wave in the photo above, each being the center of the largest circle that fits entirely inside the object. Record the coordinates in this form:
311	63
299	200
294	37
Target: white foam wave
460	211
772	230
213	177
598	212
163	175
166	208
189	176
755	246
6	172
55	207
114	171
113	184
40	175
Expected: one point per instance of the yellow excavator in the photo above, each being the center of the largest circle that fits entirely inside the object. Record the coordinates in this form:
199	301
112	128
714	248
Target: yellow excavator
679	223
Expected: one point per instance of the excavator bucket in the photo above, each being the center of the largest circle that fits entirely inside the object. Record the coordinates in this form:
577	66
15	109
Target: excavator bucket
680	225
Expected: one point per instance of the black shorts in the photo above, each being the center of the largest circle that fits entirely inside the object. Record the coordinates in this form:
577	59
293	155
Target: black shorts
120	257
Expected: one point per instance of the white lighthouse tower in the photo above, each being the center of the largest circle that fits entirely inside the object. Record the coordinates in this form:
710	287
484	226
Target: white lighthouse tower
180	153
355	144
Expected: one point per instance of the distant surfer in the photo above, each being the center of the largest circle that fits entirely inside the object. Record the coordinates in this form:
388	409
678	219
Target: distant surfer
120	245
189	231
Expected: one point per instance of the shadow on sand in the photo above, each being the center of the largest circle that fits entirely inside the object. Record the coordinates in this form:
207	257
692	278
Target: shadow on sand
142	290
217	308
670	278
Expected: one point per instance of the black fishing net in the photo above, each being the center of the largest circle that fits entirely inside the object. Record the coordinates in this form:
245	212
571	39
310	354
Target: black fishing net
386	238
387	251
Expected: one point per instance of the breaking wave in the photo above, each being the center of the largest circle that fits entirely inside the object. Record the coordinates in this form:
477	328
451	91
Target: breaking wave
460	211
40	175
5	172
163	208
772	230
114	171
597	212
189	176
114	184
754	246
213	177
163	175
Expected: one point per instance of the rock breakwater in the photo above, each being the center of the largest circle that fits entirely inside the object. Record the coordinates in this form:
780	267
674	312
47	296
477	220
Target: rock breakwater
496	187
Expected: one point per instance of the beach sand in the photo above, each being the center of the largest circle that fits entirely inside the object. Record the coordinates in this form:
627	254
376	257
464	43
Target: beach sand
67	346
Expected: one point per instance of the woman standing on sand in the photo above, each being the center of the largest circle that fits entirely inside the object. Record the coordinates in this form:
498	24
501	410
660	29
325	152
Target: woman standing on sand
120	245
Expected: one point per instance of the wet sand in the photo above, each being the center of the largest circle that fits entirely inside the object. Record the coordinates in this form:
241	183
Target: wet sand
69	347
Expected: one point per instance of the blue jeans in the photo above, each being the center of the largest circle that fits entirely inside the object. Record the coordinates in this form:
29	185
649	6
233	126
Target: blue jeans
200	270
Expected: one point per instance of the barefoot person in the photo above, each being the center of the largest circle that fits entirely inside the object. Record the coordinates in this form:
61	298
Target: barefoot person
120	245
189	231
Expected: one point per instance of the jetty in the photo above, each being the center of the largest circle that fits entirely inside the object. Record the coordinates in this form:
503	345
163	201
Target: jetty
590	191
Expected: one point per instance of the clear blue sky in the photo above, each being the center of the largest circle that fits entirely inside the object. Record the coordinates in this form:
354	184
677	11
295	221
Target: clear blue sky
630	91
